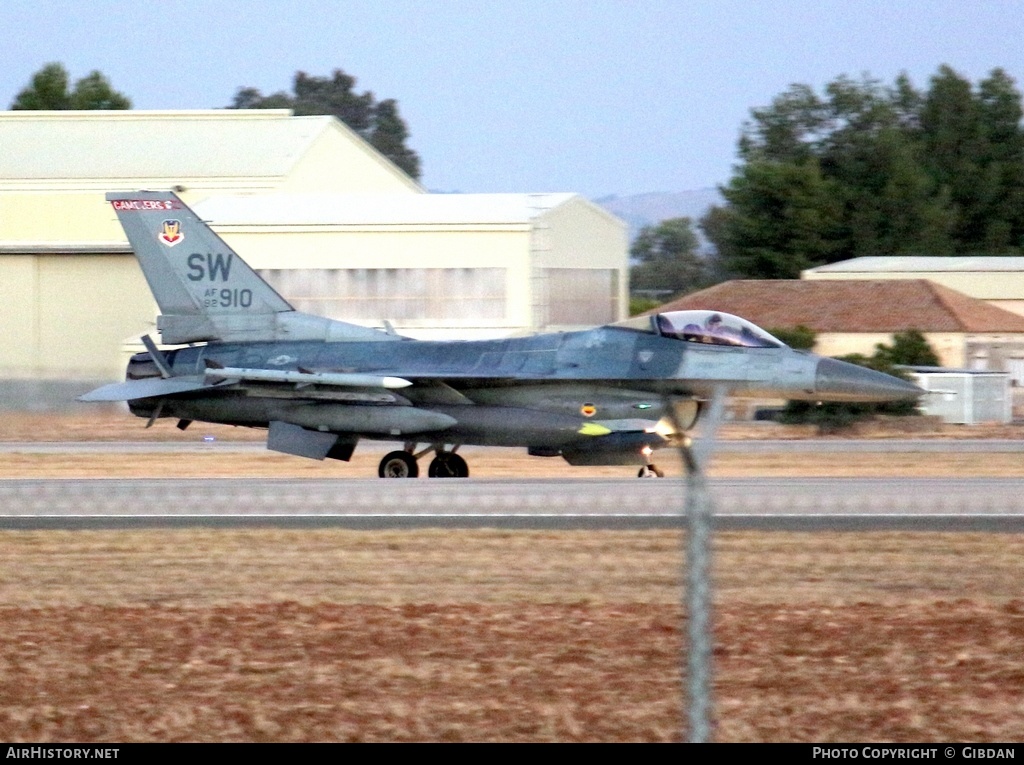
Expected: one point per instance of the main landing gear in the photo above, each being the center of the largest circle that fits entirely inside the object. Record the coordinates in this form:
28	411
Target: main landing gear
448	465
398	465
403	463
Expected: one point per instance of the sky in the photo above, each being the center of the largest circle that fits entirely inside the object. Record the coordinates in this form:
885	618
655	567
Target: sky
598	97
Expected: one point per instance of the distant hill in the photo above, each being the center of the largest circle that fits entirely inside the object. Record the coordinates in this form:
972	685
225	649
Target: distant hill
639	210
652	207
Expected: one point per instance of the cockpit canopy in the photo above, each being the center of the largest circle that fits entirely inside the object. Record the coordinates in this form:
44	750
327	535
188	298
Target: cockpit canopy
710	327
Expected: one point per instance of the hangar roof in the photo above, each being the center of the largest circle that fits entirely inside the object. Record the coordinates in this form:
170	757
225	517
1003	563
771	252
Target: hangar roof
156	144
379	209
858	305
25	247
902	263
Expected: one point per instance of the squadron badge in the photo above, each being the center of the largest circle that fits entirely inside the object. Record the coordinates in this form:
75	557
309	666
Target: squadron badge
170	233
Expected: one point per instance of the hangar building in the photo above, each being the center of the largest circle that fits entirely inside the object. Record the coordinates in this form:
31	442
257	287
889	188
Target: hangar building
436	266
993	281
329	221
998	280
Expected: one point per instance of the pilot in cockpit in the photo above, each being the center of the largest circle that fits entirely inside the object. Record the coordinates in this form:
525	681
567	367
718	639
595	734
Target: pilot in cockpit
713	325
718	333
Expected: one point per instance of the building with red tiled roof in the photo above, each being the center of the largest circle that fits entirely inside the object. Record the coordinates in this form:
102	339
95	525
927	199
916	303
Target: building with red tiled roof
852	316
996	279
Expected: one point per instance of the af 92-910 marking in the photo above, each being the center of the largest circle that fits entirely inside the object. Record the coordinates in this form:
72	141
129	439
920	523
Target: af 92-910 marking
227	298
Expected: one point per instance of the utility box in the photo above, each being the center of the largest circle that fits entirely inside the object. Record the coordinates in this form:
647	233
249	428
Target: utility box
965	396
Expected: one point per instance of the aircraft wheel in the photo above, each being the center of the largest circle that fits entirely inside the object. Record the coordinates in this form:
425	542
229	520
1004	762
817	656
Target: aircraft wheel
448	465
398	465
650	471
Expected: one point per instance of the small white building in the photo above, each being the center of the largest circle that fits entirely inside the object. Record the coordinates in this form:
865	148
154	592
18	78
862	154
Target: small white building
965	396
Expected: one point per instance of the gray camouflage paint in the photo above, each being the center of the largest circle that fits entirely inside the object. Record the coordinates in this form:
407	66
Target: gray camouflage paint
593	396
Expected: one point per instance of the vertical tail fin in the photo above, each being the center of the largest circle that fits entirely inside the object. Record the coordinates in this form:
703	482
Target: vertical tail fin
204	289
189	268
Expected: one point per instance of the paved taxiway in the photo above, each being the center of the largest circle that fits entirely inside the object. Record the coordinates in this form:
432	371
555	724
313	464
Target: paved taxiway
978	504
759	446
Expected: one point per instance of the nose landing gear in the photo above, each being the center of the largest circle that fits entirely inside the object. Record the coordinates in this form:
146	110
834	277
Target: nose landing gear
649	470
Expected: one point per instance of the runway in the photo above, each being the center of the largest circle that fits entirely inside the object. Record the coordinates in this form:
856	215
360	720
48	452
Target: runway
808	504
758	446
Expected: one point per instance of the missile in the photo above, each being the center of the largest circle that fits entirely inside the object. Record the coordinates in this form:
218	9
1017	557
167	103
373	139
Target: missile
342	379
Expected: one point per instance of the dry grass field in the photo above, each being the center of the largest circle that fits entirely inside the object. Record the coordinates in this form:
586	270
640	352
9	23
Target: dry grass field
221	635
494	636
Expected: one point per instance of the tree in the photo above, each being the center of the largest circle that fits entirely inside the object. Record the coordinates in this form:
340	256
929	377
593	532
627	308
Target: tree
251	98
389	135
641	304
49	90
780	219
800	337
379	123
954	146
667	259
889	202
1002	159
869	169
909	349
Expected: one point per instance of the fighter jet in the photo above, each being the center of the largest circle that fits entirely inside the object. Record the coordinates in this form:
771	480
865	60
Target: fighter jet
610	395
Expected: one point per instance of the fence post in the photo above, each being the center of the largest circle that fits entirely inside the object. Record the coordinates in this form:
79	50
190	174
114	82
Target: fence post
699	512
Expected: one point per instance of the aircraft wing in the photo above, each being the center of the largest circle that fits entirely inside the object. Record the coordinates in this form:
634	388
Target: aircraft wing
148	388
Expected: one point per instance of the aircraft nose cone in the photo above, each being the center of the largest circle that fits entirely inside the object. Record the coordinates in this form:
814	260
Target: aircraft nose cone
837	380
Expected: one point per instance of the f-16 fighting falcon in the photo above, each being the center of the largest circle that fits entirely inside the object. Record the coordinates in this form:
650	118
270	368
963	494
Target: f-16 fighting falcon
610	395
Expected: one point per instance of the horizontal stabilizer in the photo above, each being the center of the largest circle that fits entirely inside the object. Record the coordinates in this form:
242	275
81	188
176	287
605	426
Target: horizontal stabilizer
151	387
343	379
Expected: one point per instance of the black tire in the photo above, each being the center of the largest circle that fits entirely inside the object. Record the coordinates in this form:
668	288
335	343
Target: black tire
650	471
448	465
398	465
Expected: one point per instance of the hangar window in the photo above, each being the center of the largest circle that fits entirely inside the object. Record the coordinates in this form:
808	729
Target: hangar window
395	294
582	296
